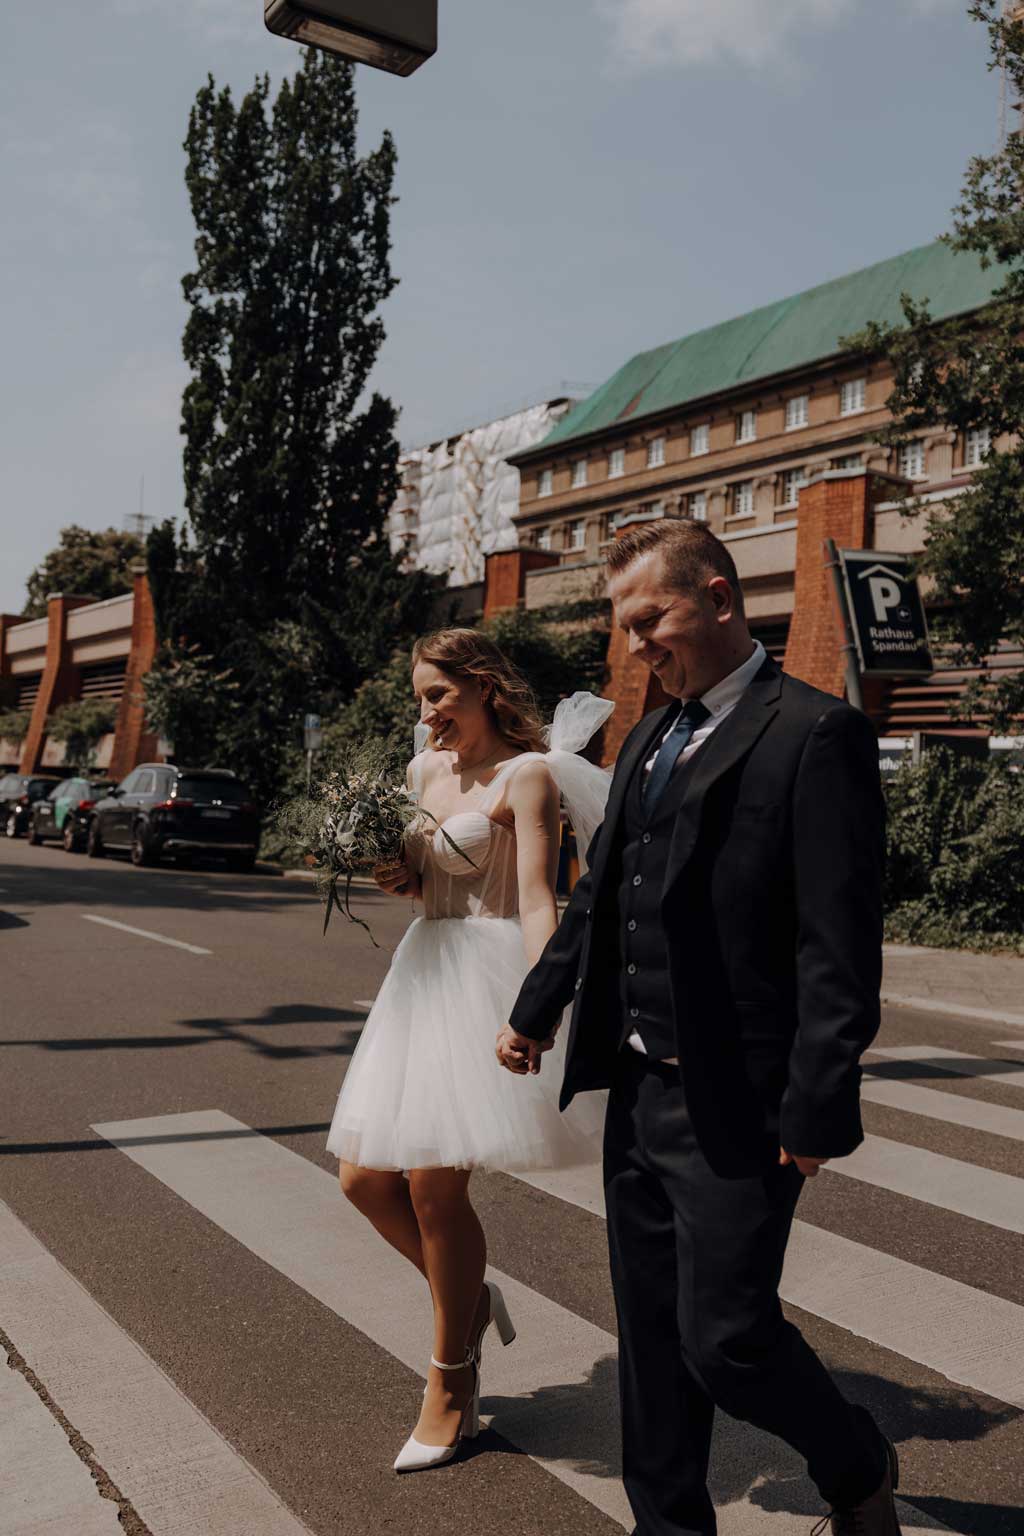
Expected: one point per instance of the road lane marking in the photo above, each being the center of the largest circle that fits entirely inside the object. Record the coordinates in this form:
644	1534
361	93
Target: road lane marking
144	933
178	1472
973	1338
556	1389
44	1486
960	1063
962	1188
953	1108
954	1009
362	1002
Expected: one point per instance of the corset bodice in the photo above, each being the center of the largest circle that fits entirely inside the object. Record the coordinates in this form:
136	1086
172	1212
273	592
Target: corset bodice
477	876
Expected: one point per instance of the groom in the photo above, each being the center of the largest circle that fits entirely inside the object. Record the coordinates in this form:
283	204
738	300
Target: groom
724	953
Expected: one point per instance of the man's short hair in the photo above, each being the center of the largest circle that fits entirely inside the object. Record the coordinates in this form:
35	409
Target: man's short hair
690	553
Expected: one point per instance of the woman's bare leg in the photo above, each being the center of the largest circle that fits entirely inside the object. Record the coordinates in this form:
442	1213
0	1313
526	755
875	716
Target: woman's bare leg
384	1199
455	1255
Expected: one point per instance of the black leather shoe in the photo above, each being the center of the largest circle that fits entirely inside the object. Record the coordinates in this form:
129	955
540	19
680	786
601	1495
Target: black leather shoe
876	1516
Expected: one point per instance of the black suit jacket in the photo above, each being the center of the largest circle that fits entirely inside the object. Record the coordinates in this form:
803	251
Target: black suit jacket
772	917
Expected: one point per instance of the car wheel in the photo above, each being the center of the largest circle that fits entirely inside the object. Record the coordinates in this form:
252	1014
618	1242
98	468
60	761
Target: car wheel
94	842
69	838
141	853
33	835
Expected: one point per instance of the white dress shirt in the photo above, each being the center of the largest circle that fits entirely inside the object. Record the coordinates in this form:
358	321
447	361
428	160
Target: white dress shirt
721	700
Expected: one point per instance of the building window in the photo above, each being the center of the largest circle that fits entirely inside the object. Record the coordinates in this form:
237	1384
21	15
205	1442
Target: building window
698	506
616	463
546	483
850	461
655	452
577	535
743	498
792	480
851	397
977	445
544	539
746	427
912	460
796	412
579	474
700	439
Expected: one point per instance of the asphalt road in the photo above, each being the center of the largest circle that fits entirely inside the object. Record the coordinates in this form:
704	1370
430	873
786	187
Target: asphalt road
206	1340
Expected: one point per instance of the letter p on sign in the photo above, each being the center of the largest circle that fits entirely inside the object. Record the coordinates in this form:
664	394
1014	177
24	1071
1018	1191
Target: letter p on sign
885	595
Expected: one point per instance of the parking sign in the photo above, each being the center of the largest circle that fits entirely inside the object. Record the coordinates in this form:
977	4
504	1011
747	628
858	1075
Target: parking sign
886	613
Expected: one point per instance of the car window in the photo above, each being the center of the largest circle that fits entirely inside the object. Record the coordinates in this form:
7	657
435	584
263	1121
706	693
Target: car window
128	785
230	791
8	785
38	789
147	782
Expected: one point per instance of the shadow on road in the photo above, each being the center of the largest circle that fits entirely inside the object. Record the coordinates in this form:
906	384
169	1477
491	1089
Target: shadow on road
213	1031
100	1144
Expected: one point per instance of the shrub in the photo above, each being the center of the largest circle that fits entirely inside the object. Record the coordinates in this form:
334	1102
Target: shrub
81	726
955	869
14	724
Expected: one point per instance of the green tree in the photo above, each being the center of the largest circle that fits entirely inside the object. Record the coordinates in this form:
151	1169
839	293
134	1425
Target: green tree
86	564
81	726
283	579
968	374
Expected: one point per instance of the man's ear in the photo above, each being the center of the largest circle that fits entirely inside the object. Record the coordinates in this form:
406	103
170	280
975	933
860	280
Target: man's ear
722	595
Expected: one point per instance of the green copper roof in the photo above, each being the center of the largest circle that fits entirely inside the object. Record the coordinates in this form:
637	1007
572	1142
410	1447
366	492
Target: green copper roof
792	333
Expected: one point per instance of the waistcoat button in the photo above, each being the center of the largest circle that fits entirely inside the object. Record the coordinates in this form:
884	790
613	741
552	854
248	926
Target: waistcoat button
638	879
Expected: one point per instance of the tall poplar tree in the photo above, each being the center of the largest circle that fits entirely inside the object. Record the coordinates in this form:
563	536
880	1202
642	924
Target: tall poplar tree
283	576
968	374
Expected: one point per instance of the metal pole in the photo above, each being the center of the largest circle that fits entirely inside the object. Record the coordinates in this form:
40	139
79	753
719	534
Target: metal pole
854	692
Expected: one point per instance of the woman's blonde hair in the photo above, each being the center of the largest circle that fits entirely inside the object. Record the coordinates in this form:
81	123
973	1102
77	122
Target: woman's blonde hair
462	653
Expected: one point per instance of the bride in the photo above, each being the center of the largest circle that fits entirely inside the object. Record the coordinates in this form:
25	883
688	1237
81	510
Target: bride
424	1102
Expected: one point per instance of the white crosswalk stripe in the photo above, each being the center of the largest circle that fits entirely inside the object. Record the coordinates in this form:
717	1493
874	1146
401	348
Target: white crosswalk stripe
556	1386
135	1420
1008	1074
952	1108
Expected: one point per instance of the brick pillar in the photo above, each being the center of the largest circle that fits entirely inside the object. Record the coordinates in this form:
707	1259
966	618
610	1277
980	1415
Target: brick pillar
505	574
132	742
58	682
834	506
632	685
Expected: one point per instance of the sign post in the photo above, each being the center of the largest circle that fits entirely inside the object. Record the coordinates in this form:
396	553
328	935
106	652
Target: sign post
312	740
833	564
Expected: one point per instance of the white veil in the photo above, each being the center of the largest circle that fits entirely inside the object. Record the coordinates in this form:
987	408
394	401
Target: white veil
583	786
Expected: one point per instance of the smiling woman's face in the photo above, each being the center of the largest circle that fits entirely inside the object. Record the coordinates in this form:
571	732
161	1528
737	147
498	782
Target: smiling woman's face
452	707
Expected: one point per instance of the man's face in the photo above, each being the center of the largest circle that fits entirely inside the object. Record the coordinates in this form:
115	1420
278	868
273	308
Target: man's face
678	635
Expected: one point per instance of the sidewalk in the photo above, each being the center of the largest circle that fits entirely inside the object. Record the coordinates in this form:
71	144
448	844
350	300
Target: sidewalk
950	980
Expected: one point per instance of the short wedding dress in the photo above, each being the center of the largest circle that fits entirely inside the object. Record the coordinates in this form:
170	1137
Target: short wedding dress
424	1088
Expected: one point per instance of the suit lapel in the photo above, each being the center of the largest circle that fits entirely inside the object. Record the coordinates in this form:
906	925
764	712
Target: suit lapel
732	740
625	769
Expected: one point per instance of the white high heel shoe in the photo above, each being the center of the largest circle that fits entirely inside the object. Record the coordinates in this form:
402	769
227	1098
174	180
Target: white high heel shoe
416	1457
498	1314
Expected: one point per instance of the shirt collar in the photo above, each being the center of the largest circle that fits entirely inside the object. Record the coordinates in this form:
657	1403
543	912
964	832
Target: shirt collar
729	691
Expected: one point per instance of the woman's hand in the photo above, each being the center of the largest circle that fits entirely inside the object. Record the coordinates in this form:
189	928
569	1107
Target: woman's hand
396	878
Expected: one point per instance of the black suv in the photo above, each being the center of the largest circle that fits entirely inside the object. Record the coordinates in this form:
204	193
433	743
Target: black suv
18	794
162	809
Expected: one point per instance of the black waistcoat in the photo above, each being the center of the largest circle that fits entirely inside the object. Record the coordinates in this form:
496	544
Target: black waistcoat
644	989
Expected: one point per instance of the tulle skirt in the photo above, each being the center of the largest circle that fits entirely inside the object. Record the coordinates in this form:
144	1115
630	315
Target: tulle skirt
424	1088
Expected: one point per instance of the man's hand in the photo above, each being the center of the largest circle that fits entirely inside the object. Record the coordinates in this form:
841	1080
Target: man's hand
808	1166
519	1053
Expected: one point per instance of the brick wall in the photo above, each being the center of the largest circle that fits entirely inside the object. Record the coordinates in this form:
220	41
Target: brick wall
505	574
132	742
836	506
58	683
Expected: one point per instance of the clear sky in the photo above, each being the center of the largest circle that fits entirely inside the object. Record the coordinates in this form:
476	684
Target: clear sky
578	181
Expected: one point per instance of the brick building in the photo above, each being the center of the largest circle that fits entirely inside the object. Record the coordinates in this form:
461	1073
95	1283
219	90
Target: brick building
766	428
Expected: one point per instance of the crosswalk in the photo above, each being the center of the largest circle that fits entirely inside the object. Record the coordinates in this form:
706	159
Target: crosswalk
553	1395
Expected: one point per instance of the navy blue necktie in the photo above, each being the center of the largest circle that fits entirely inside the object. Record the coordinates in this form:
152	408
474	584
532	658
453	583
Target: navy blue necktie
692	715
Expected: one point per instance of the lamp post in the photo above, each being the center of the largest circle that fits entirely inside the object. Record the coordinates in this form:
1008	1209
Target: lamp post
396	35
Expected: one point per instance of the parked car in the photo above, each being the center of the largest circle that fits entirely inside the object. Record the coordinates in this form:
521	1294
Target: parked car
64	814
161	809
18	794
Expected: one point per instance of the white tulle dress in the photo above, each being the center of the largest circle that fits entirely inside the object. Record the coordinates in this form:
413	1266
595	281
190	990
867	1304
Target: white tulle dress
424	1088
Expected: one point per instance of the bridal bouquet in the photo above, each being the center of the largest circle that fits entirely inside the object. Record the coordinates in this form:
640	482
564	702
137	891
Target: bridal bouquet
354	818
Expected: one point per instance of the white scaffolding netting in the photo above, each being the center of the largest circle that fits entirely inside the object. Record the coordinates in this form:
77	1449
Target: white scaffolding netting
458	498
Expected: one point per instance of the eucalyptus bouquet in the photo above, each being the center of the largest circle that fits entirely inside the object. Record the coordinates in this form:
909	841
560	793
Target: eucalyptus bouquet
354	818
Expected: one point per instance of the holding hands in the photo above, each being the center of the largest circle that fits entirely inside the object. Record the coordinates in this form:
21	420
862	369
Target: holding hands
520	1054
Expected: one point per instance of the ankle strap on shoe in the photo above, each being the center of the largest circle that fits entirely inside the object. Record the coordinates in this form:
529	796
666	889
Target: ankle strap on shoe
460	1366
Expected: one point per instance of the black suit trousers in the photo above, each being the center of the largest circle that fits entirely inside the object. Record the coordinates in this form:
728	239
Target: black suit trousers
696	1262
